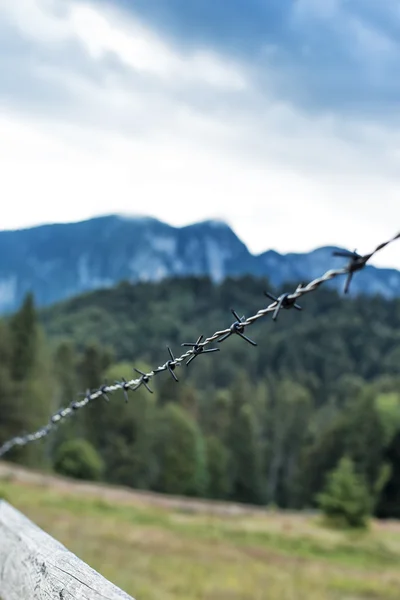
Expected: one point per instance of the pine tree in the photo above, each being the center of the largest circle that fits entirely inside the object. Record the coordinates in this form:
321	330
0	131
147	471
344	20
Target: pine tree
366	437
11	414
181	454
91	368
244	445
65	372
32	379
128	436
218	468
345	500
66	388
388	504
24	331
287	428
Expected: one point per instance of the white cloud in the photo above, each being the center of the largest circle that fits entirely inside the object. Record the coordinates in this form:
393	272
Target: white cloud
183	135
143	51
104	31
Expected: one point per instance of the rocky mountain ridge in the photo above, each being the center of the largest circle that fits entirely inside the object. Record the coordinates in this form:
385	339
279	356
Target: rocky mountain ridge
62	260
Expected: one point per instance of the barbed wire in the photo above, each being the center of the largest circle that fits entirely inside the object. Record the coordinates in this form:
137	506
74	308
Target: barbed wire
285	301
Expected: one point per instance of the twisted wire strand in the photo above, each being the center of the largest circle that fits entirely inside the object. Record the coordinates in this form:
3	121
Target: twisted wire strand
356	263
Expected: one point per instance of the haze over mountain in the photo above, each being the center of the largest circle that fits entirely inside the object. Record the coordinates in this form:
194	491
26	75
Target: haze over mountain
62	260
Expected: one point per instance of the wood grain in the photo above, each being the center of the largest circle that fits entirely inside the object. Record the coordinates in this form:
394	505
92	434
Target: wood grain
34	566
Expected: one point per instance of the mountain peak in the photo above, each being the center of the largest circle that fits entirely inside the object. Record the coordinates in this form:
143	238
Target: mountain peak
139	218
217	224
62	260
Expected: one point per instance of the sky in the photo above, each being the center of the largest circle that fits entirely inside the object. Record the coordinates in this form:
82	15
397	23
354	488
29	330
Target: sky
280	117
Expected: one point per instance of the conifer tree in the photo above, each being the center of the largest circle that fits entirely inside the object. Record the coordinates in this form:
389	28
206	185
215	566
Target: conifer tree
128	435
181	454
91	368
24	331
30	372
218	468
11	411
244	445
65	365
345	500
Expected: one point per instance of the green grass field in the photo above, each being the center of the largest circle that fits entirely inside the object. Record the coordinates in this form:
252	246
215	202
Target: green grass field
155	552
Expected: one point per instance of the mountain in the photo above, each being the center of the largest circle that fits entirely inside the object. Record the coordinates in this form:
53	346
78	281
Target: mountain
62	260
281	268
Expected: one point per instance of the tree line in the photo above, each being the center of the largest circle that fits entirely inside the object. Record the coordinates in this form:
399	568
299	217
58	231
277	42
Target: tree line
264	425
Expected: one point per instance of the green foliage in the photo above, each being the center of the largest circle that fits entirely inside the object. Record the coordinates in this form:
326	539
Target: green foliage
260	425
65	386
26	382
181	453
288	416
218	468
388	500
128	436
245	458
24	330
91	366
365	436
388	409
345	500
332	338
78	459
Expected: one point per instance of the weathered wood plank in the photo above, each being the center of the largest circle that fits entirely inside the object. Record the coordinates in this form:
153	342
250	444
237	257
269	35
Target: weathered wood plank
34	566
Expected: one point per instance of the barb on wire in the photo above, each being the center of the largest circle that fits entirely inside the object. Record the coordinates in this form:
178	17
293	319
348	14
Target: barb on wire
197	348
285	301
238	328
125	387
86	395
144	380
171	365
103	390
356	263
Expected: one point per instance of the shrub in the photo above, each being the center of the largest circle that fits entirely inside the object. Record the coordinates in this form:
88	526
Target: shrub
78	459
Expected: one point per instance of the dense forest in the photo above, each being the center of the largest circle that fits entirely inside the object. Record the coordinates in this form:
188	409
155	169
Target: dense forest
263	424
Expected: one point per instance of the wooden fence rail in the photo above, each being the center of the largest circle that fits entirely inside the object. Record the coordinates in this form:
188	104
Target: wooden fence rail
34	566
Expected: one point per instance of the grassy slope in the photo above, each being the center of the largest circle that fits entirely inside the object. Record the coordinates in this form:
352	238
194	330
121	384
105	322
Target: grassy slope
153	548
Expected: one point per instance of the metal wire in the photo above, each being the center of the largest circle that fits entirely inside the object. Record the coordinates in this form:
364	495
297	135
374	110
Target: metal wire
285	301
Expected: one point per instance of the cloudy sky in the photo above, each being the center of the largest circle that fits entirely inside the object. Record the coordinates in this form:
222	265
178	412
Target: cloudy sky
281	117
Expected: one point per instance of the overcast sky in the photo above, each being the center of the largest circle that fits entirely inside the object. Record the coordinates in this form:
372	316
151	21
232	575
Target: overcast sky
281	117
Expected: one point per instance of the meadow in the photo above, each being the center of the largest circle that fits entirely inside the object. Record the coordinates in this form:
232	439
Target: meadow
158	547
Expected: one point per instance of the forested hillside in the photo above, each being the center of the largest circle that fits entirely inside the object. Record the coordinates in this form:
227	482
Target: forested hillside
258	424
